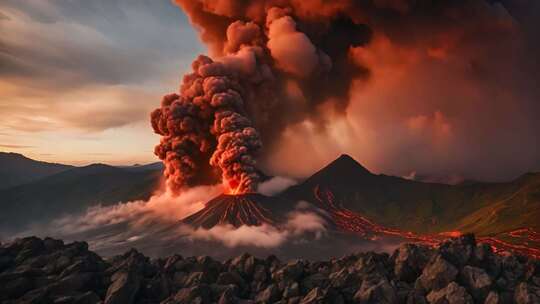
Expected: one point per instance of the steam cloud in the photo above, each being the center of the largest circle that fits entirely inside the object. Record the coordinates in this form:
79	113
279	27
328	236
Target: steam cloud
154	223
450	85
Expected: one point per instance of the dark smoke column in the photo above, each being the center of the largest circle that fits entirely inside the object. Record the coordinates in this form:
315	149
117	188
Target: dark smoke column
205	131
272	67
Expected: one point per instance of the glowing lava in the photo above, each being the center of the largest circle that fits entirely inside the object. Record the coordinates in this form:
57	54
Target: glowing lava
521	241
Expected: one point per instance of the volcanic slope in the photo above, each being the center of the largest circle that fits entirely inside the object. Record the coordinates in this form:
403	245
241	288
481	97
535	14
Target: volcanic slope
251	209
486	209
352	199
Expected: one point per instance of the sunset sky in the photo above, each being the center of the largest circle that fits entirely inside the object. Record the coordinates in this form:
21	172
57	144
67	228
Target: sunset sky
448	90
79	78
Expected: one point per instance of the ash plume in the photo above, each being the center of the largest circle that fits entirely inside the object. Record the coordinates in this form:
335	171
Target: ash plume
423	75
205	130
256	84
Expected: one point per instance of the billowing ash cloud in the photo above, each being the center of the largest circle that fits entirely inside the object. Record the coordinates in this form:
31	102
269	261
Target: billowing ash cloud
442	82
263	77
206	130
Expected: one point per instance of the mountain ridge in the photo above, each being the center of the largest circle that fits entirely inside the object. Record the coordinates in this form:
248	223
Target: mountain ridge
17	169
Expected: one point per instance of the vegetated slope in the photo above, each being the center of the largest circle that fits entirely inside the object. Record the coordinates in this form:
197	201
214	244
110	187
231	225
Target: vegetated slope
72	191
483	208
16	169
507	206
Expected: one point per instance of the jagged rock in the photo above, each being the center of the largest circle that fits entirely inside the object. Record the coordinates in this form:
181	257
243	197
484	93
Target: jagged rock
409	261
322	296
15	288
371	262
52	244
157	288
244	264
197	294
228	297
124	287
85	298
485	258
477	282
49	271
513	271
171	262
292	271
315	280
376	290
196	278
74	283
458	251
346	282
36	296
437	274
451	294
403	289
416	297
5	262
231	277
292	290
210	267
493	298
270	295
260	273
527	294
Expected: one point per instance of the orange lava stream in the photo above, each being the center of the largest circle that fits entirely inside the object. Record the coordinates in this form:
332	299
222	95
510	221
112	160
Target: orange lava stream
351	221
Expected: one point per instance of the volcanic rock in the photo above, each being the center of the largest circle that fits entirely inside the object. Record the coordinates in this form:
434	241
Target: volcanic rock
53	272
270	295
527	294
477	281
437	274
410	260
376	290
451	294
251	209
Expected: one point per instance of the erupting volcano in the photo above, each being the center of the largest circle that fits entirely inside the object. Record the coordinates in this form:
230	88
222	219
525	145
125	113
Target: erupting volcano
249	209
352	201
276	64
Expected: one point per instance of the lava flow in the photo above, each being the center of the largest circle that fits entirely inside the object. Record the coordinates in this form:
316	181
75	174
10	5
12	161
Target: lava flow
518	241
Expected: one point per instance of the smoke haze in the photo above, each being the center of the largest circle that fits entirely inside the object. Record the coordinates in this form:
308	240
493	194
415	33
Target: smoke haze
436	87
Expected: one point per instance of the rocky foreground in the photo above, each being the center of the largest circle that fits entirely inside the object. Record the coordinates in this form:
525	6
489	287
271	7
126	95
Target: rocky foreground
33	270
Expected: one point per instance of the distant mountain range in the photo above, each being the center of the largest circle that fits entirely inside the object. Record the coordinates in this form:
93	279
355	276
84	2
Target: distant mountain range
51	190
16	169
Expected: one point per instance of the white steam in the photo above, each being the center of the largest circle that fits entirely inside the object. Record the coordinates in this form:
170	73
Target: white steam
158	219
299	222
275	185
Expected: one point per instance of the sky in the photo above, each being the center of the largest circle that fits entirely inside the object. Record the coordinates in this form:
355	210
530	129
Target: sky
451	88
78	78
